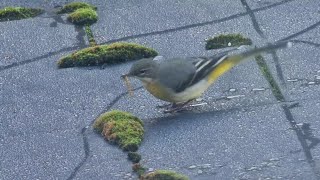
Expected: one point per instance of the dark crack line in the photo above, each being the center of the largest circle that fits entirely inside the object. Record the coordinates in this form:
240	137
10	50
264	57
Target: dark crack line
253	18
276	90
181	28
86	145
59	20
262	35
306	42
80	36
86	148
301	32
15	64
279	71
298	132
301	137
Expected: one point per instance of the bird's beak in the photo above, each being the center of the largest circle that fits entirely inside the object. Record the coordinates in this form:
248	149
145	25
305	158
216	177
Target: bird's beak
125	75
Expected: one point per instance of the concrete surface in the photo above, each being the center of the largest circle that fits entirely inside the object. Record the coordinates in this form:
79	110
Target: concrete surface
242	133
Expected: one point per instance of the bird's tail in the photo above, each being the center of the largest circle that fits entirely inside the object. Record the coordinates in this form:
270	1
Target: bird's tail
229	61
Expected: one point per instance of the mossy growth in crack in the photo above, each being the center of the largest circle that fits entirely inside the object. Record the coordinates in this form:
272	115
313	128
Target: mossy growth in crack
71	7
83	16
267	74
227	40
164	174
138	169
16	13
106	54
90	36
121	128
134	157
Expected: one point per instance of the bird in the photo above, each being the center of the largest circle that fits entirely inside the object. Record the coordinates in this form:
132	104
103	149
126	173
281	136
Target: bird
182	80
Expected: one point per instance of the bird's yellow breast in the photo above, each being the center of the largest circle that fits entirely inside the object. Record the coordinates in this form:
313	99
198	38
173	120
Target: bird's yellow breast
158	91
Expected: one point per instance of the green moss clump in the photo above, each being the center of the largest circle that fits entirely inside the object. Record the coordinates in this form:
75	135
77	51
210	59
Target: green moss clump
267	74
121	128
227	40
90	36
134	157
16	13
83	16
71	7
110	54
164	175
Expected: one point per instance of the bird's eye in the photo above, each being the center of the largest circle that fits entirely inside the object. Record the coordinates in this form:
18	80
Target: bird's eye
142	71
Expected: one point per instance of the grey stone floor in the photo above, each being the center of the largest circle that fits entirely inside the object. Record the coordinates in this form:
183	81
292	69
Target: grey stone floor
242	133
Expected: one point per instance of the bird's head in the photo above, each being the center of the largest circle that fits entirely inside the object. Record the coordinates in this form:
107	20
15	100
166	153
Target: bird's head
144	70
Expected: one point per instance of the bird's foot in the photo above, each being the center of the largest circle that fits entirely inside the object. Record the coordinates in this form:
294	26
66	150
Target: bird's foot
182	107
163	106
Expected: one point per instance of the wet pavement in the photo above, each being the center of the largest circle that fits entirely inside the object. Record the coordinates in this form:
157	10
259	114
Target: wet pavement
243	132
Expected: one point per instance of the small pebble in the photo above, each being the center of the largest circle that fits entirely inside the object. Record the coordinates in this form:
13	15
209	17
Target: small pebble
253	169
232	90
150	169
206	165
274	159
292	80
236	96
199	99
200	171
258	89
311	83
192	167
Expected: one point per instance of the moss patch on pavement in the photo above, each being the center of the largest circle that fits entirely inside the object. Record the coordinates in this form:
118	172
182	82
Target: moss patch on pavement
134	157
71	7
164	175
106	54
121	128
227	40
16	13
83	16
90	36
267	74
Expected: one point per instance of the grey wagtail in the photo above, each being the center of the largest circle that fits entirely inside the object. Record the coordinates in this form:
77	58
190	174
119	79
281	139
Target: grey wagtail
181	80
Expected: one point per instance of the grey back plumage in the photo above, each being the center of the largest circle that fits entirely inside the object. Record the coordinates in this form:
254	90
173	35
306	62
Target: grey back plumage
181	73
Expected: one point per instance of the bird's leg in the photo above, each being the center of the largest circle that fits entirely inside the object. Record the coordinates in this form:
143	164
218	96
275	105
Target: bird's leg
176	107
164	106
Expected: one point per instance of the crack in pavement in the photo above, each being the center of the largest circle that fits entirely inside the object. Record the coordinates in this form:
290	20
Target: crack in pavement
86	145
15	64
306	42
262	35
302	137
309	28
253	18
58	19
196	24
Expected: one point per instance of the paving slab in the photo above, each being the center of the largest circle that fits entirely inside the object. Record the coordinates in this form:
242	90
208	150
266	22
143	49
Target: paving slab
287	19
46	112
44	106
45	155
105	161
307	118
119	19
247	143
29	39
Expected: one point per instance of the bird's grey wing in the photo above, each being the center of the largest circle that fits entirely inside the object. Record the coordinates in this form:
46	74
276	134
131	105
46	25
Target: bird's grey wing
178	74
